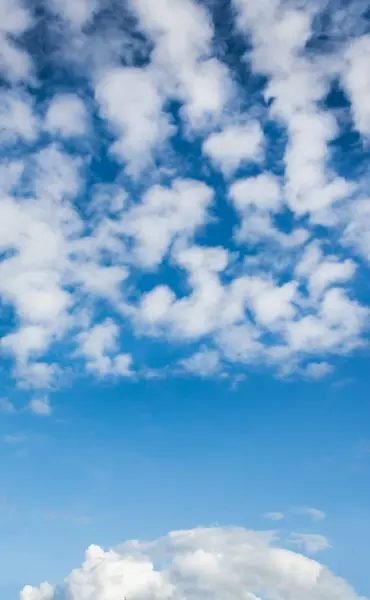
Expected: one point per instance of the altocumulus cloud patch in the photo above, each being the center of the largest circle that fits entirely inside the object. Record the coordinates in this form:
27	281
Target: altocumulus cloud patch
199	563
164	180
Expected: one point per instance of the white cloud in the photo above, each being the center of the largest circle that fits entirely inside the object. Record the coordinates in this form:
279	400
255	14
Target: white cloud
204	363
310	543
257	199
274	516
336	328
315	514
200	563
296	85
76	13
40	407
356	77
323	271
17	120
357	231
263	192
66	116
243	278
317	370
15	63
234	145
98	346
164	215
130	101
182	33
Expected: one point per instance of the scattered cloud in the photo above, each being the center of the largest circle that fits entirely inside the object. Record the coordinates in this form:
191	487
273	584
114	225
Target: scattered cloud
40	407
317	370
155	197
204	363
310	543
235	144
274	516
66	116
223	562
314	514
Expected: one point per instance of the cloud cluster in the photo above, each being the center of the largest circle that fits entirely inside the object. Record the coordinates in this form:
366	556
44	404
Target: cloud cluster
199	563
178	186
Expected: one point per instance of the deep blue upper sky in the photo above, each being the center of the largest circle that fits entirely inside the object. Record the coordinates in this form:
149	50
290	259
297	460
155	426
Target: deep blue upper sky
184	298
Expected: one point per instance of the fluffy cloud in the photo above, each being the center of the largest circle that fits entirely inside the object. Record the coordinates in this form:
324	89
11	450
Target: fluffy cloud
234	145
199	563
166	214
17	120
131	103
66	116
77	14
356	78
203	363
182	33
98	346
133	229
15	20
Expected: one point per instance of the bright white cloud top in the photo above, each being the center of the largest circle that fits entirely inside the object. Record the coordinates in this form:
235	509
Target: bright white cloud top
200	563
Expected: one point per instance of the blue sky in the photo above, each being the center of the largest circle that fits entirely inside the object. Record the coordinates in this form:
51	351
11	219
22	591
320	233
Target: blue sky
184	299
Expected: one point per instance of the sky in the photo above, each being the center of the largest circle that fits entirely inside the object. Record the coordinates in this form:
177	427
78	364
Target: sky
184	299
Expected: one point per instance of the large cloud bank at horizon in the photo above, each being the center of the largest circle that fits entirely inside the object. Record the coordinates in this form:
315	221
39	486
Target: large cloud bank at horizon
215	563
164	178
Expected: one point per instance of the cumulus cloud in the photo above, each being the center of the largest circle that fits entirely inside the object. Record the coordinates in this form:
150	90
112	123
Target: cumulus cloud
203	363
98	346
234	145
182	33
216	563
66	116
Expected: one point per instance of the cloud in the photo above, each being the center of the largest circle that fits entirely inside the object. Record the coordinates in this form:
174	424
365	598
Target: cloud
317	370
204	363
165	215
199	563
235	145
130	101
66	116
77	14
98	346
311	543
314	514
356	233
204	201
40	407
15	63
274	516
356	79
182	33
17	119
